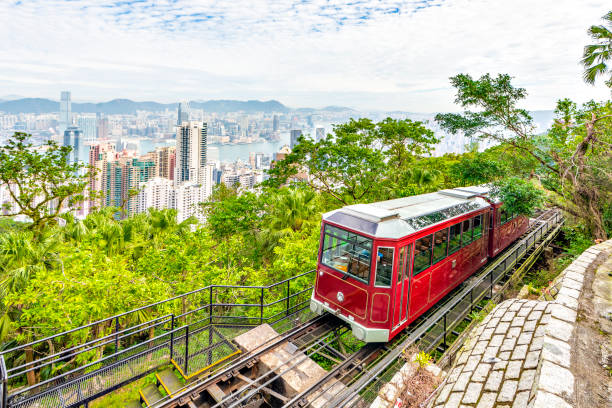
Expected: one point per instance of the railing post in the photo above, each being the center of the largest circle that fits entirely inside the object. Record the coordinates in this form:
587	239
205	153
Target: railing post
116	335
4	380
471	299
261	305
288	293
210	307
186	350
172	337
491	284
444	330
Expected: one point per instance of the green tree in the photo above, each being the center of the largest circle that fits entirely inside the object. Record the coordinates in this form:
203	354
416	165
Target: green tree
573	158
40	180
358	162
229	213
597	56
518	195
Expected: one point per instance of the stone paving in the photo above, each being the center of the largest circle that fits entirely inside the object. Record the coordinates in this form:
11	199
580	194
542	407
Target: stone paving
519	356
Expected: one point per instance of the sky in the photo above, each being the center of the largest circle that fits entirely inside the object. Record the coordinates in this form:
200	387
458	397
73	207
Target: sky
365	54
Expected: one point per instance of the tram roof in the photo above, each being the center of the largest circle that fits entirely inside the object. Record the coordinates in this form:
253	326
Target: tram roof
398	218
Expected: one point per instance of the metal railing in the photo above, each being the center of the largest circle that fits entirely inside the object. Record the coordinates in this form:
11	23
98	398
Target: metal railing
189	331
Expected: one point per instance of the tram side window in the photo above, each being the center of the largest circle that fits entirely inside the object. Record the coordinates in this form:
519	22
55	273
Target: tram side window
454	239
503	217
467	232
422	254
477	227
347	252
384	266
400	269
440	245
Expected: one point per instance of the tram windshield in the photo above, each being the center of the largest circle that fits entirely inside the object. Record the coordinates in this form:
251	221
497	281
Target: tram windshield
347	252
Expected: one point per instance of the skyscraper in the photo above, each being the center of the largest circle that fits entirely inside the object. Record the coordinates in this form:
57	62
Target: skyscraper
72	138
191	152
295	134
102	126
165	161
65	118
88	126
320	134
183	113
275	123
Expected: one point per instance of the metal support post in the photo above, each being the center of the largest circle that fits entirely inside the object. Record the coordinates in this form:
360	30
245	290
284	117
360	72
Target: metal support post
172	336
116	335
210	307
491	284
444	330
4	379
261	305
186	350
288	292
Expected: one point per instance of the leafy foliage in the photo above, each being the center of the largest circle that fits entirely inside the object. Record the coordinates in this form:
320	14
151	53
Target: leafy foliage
597	56
571	160
361	161
41	181
518	195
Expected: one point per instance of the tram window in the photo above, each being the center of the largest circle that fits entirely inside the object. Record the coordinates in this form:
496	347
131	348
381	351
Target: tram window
477	227
466	233
400	269
454	239
384	266
422	254
440	245
347	252
503	217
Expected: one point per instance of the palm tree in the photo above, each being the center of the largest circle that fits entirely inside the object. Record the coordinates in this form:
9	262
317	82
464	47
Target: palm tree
292	209
596	56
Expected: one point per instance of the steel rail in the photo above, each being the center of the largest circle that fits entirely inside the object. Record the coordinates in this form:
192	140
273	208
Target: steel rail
244	359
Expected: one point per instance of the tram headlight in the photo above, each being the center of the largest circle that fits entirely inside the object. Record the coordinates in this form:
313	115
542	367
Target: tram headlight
340	297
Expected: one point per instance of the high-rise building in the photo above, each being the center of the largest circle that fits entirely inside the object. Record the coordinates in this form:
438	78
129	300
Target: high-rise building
88	125
183	113
65	118
102	126
191	152
320	134
72	138
100	154
295	134
275	123
123	177
165	161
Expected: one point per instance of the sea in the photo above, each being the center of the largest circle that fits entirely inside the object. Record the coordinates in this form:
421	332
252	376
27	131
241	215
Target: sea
227	152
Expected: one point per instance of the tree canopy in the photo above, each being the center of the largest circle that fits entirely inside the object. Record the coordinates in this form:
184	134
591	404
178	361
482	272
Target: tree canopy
572	159
41	181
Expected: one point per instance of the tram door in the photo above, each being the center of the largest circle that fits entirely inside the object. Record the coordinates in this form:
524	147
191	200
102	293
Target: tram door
402	286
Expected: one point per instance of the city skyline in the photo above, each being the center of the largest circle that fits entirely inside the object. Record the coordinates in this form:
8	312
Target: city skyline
393	55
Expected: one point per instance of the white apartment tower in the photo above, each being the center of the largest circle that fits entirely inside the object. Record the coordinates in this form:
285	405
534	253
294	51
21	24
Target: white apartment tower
191	152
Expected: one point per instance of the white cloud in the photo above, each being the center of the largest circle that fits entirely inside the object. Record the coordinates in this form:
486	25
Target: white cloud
366	54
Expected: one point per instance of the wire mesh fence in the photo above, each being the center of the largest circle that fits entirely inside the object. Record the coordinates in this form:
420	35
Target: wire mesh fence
81	364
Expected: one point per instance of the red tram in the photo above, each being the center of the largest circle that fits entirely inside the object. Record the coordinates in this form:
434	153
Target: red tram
382	265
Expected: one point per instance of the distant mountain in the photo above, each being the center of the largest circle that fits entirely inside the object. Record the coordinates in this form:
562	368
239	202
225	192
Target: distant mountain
240	106
29	105
337	109
126	106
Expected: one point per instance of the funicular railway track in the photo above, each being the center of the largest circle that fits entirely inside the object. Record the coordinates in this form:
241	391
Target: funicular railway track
353	377
347	383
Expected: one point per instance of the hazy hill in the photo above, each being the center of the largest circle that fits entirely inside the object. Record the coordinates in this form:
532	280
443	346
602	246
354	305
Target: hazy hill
126	106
